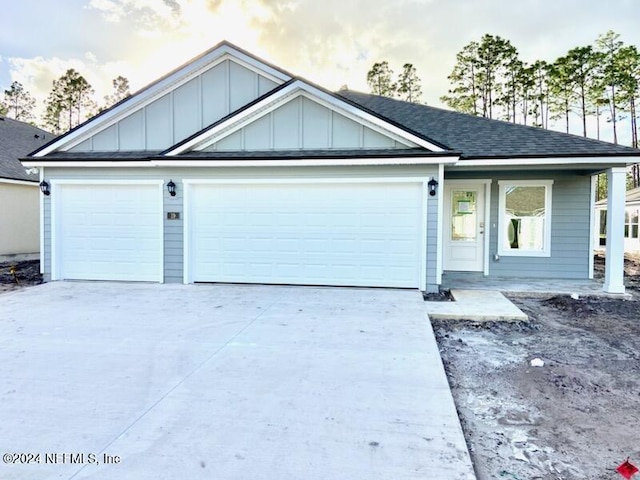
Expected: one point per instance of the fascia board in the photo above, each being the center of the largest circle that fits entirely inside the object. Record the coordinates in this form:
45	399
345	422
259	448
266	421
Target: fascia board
160	88
548	161
277	162
288	93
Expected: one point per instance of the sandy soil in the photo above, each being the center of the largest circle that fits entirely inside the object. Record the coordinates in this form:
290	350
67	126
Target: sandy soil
576	417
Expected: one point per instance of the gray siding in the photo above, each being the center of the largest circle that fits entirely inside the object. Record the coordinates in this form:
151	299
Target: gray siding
183	111
173	229
304	124
569	228
173	234
47	239
432	241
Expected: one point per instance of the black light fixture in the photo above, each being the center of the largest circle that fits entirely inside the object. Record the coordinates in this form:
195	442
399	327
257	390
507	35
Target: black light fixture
172	188
433	183
44	187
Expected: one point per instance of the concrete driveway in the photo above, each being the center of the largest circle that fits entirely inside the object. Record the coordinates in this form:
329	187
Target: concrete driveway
136	381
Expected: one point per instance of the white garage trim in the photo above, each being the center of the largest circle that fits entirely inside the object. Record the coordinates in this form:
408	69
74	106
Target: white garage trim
188	184
56	188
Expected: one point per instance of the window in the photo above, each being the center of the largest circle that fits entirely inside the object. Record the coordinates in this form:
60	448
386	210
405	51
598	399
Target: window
525	218
631	223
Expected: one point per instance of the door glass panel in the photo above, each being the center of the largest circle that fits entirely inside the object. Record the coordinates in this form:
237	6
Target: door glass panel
463	215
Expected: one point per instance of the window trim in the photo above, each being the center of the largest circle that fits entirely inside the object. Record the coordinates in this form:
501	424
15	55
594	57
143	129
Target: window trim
546	251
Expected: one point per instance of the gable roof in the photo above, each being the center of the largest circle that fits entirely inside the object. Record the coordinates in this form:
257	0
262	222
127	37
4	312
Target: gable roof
16	140
159	88
287	92
483	138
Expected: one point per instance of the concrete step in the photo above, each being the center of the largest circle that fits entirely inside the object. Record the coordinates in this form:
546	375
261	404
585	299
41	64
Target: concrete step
476	305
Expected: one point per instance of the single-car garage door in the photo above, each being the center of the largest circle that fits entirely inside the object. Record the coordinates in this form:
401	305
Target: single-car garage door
107	231
339	233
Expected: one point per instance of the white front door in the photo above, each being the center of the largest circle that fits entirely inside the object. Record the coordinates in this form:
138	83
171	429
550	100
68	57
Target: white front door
464	226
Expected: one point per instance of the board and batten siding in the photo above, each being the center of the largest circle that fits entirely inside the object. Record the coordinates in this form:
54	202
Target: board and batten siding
300	124
183	111
173	229
570	214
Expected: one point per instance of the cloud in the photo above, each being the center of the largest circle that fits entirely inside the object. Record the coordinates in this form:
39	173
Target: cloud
150	15
37	74
330	42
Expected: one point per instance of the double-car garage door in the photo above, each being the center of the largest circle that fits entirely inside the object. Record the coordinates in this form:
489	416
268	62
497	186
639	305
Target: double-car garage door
356	233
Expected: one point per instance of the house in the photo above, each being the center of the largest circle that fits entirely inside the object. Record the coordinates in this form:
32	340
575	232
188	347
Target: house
631	215
19	192
230	169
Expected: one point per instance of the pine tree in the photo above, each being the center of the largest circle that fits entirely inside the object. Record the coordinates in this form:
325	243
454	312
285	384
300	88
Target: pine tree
18	103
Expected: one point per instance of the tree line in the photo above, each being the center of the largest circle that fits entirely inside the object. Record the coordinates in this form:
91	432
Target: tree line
593	81
69	103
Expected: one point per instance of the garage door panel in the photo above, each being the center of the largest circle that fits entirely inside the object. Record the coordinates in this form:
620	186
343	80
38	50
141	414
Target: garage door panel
109	232
361	234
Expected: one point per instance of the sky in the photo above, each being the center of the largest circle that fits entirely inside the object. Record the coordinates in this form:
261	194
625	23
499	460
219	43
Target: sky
330	42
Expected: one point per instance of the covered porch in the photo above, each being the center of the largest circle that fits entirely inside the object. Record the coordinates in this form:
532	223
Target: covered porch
556	248
533	286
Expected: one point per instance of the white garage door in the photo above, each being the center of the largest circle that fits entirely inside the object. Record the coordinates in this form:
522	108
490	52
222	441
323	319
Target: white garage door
108	232
358	234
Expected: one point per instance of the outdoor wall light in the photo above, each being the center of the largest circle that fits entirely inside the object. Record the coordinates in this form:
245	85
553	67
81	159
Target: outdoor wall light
172	188
433	183
44	187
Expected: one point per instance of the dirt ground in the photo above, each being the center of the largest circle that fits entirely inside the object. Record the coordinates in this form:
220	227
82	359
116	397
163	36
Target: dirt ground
20	274
576	417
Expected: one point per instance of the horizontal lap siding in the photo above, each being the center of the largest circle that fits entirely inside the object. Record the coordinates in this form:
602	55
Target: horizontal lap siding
173	235
432	241
569	228
173	229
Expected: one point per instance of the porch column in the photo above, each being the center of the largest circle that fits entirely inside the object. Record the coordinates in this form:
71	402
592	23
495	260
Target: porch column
614	263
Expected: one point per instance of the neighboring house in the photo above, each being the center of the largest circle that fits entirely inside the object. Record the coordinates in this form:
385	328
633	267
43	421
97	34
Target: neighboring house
631	216
230	169
19	191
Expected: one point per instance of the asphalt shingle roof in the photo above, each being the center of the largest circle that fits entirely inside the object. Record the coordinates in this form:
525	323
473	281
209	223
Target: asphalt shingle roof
17	139
478	137
246	154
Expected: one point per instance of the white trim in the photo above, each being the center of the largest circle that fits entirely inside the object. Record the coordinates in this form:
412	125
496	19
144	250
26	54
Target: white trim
186	250
100	181
440	227
592	223
487	225
236	124
294	90
614	264
42	252
522	162
486	184
287	180
187	182
546	251
424	206
53	209
302	162
55	204
87	163
32	183
294	162
151	93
